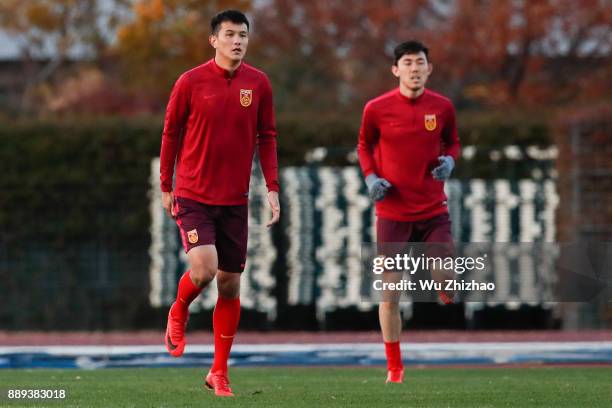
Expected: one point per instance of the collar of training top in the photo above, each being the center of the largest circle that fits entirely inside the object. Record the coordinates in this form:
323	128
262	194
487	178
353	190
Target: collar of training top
411	100
224	72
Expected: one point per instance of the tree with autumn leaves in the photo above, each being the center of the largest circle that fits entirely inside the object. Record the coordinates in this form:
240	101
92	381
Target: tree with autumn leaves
50	35
165	38
333	55
485	53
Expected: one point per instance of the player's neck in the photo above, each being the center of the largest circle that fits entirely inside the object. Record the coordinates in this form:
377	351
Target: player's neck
411	93
227	64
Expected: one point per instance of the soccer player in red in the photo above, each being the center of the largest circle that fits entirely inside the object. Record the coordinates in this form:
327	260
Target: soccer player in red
408	146
217	114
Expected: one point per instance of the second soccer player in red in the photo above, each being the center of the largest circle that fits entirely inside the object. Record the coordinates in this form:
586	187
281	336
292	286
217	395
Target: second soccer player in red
218	113
408	146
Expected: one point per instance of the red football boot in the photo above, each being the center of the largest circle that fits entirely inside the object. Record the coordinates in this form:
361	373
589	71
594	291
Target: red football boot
395	376
175	335
447	297
219	383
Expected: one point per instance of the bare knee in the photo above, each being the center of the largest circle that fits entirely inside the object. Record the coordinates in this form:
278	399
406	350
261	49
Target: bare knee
203	262
202	272
389	307
228	284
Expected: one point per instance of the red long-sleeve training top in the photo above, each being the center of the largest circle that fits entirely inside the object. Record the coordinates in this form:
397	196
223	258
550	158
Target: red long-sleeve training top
400	140
213	123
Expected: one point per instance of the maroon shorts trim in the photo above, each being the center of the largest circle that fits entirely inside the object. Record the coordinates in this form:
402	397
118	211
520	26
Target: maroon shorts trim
224	226
435	231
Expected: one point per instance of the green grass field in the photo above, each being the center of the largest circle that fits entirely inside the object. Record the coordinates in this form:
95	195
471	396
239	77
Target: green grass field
320	387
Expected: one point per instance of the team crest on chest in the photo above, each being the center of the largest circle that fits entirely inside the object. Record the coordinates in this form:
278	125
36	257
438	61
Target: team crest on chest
246	97
430	122
192	236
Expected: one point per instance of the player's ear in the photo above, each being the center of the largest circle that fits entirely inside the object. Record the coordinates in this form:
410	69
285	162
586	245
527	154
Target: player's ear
429	68
395	70
212	39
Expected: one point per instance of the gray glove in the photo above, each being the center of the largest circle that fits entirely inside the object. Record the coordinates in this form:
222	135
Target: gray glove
444	170
377	187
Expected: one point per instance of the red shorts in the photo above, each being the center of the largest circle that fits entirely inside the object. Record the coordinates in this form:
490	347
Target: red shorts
434	231
224	226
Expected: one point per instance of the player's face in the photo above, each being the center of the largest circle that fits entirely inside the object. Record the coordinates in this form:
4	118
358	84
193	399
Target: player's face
413	70
231	41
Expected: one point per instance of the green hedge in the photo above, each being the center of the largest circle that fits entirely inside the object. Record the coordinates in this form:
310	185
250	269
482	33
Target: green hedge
74	223
83	175
298	133
68	175
487	132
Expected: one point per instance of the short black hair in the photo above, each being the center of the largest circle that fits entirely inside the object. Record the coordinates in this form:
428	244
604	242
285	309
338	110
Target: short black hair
235	16
409	47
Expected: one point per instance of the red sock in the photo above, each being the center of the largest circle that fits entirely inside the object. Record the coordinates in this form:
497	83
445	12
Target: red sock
186	293
225	325
394	356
